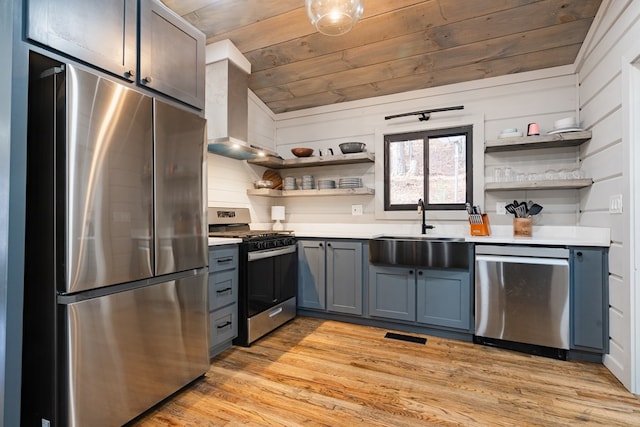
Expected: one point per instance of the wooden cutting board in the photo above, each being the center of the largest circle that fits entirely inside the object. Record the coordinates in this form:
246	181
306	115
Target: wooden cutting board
274	177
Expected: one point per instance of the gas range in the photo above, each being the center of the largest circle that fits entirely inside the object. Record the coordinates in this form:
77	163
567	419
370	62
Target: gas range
267	282
256	240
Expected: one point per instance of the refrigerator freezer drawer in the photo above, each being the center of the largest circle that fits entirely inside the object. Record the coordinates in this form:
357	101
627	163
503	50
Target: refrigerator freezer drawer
128	351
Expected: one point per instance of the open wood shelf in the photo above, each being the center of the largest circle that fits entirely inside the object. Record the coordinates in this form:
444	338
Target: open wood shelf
305	162
567	139
267	192
539	185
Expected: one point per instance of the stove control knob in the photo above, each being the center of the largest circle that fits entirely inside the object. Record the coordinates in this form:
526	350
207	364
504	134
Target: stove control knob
259	245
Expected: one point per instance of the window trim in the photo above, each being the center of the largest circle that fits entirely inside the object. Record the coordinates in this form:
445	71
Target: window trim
425	135
410	125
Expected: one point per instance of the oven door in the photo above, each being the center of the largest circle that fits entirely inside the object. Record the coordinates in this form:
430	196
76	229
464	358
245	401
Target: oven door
271	278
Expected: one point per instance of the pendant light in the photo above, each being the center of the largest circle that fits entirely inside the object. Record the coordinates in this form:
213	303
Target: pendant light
334	17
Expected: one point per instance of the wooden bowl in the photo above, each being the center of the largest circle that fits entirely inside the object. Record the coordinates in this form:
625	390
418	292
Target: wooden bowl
302	152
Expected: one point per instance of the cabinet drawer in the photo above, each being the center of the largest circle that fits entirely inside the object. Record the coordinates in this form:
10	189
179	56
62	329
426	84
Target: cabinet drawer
223	259
223	325
223	288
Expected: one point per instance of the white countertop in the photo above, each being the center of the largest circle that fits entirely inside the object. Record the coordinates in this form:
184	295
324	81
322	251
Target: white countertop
217	241
542	235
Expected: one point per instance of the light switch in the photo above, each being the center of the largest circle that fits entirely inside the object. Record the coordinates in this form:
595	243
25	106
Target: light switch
356	209
500	208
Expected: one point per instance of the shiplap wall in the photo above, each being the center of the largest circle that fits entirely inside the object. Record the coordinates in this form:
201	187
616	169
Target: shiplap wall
510	101
607	158
228	179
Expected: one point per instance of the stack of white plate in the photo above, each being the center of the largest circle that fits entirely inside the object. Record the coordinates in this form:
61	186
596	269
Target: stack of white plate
289	183
307	182
350	183
325	184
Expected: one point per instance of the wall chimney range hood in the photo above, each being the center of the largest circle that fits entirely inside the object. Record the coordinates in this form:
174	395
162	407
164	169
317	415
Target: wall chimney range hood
226	102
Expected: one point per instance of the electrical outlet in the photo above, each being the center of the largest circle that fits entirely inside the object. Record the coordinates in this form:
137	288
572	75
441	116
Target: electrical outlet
500	208
356	209
615	203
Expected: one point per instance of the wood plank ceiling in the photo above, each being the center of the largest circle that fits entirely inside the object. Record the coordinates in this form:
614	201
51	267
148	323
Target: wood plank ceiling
397	46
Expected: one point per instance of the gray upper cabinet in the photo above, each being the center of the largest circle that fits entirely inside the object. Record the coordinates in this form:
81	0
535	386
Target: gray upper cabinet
101	33
168	56
172	54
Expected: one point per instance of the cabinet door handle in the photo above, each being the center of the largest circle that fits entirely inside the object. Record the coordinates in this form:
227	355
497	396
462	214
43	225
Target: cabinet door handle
329	245
147	80
222	291
224	325
220	261
419	273
410	271
579	254
320	244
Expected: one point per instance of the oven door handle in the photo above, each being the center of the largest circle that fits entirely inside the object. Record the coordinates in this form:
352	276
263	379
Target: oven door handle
268	253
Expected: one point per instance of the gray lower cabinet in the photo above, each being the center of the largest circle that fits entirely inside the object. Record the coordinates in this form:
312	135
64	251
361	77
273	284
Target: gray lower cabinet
223	297
311	274
392	292
440	298
444	298
330	275
589	299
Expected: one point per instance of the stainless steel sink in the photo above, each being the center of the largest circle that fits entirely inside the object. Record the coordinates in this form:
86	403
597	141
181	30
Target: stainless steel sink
420	251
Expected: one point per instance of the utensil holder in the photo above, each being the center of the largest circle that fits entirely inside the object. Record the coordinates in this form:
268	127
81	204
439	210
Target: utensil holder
479	225
522	227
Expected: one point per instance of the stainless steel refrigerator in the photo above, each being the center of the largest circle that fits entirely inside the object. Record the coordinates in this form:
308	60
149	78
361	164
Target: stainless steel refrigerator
116	315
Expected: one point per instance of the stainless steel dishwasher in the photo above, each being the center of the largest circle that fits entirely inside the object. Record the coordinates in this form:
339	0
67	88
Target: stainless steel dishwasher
522	298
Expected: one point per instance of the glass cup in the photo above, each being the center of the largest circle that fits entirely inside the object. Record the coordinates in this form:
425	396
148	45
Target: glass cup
508	174
498	175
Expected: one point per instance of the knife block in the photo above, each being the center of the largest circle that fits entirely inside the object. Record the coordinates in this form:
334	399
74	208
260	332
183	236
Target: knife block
479	228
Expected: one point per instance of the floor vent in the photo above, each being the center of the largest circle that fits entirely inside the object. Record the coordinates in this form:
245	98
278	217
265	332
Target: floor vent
409	338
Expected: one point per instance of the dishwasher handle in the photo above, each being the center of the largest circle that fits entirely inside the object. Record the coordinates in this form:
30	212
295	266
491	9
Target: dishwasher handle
522	260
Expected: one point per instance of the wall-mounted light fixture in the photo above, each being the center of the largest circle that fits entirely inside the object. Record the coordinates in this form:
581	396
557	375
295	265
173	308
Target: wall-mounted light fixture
425	114
334	17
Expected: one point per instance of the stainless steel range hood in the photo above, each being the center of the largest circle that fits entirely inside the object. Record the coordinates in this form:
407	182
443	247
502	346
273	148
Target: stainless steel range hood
227	111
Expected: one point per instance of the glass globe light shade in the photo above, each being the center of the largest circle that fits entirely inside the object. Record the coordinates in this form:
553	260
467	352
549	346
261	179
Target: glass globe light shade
334	17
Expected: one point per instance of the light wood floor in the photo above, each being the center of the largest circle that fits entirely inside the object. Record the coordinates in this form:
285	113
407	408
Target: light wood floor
313	372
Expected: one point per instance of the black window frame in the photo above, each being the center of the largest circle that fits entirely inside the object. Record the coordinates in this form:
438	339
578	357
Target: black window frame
466	130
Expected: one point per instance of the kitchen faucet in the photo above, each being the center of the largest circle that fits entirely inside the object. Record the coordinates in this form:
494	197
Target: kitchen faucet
422	210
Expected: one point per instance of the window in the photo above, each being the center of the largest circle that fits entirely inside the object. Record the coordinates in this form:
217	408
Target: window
432	165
